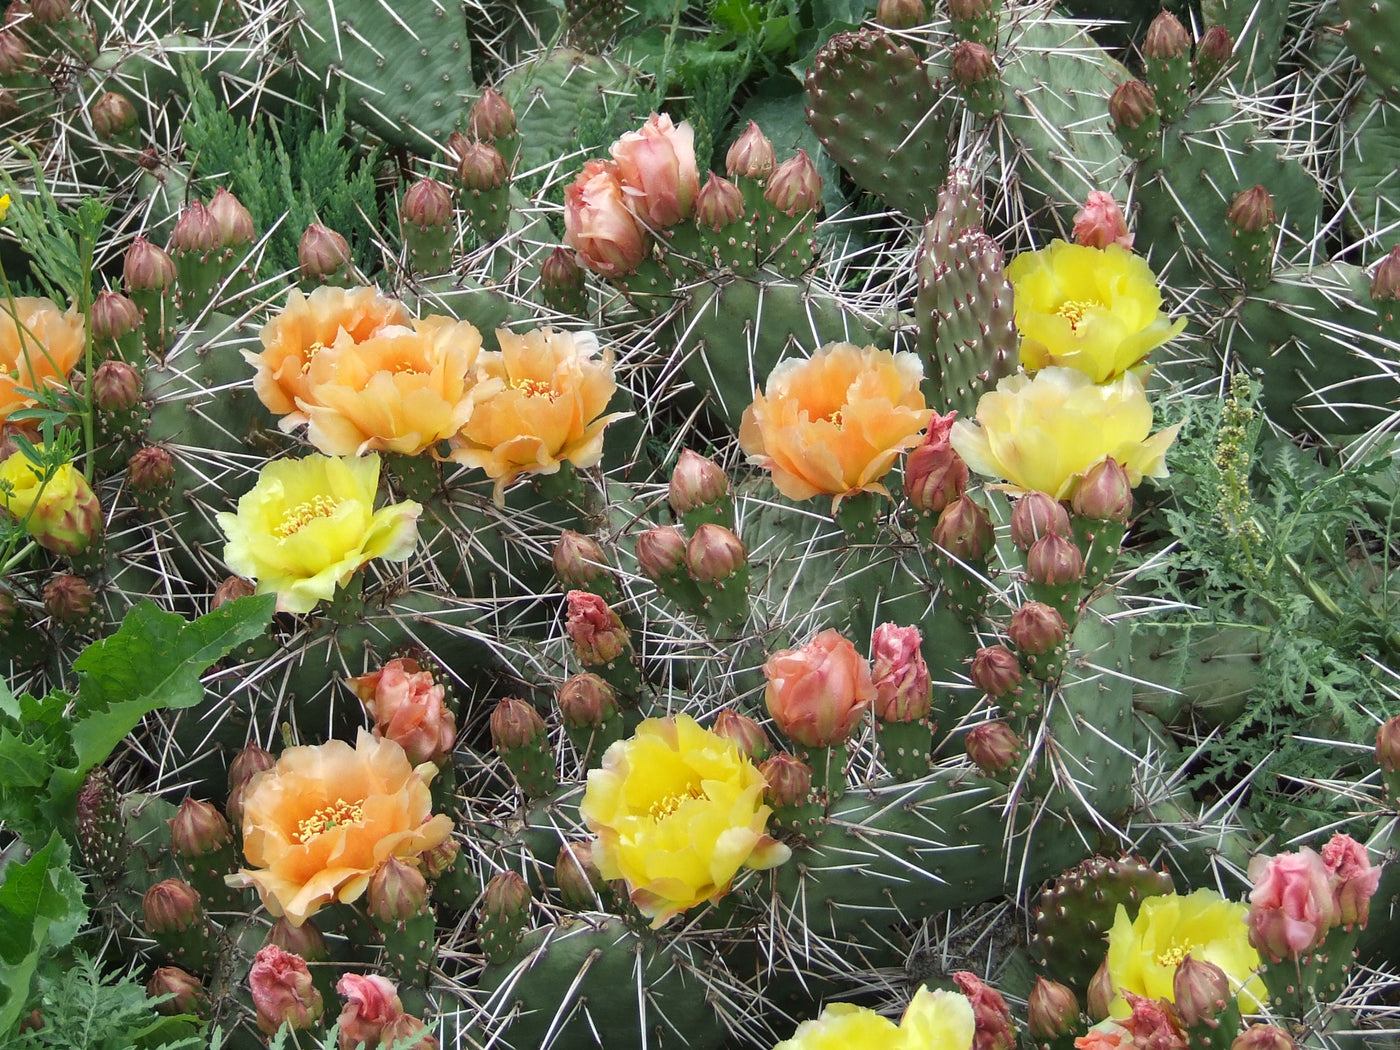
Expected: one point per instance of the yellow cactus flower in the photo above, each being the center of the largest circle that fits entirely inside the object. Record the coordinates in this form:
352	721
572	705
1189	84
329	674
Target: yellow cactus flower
1143	954
1097	310
308	524
938	1020
63	513
1042	434
677	811
4	207
932	1021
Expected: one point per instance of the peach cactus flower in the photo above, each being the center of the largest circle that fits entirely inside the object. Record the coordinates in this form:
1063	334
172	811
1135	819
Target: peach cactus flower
818	693
1100	222
402	389
305	327
1291	907
372	1003
39	346
657	169
834	424
599	226
547	409
408	707
319	823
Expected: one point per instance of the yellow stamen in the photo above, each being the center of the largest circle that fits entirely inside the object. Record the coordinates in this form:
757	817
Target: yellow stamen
302	515
535	388
329	816
311	352
1074	310
1172	957
664	807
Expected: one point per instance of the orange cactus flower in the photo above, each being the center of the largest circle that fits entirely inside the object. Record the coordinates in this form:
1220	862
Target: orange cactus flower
39	346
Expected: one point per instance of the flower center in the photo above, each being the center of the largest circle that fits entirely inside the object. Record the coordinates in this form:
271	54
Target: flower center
664	807
310	355
535	388
1173	956
332	815
303	514
835	418
1073	310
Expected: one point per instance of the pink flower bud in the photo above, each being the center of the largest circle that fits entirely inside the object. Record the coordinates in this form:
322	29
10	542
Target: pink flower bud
795	186
561	271
934	474
578	559
397	892
68	598
171	906
746	734
696	482
994	1030
491	116
114	315
789	780
51	12
901	14
818	694
305	940
1388	745
720	203
151	470
427	203
196	232
903	689
1213	51
371	1003
1263	1037
506	895
1052	1010
283	992
482	168
146	268
1151	1025
234	221
186	991
714	554
1104	493
1385	281
409	708
751	156
112	115
586	701
1036	628
1054	561
1037	514
661	552
1252	211
16	54
198	828
577	876
247	764
597	632
964	530
1200	990
116	386
993	747
657	170
1352	878
322	253
515	724
995	670
407	1032
1166	38
599	226
1132	105
972	63
1100	222
1291	907
1101	993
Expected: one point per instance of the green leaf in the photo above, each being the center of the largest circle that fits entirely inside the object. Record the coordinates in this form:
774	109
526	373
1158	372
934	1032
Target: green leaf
41	904
741	17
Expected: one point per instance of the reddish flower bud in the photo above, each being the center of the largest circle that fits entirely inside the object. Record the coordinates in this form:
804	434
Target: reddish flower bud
1352	877
515	724
746	734
1101	993
661	552
561	271
427	203
720	203
795	187
994	1030
1100	222
586	701
1252	211
696	482
196	232
439	860
1051	1011
1263	1037
112	115
1132	105
995	670
1385	281
1104	493
578	559
506	895
818	694
51	12
751	156
146	268
305	940
971	10
1054	561
247	764
964	530
234	221
371	1004
68	598
283	992
972	63
1151	1025
1166	38
577	876
322	253
491	116
1036	628
482	167
1200	990
16	54
231	588
934	474
171	906
714	554
198	828
1212	53
187	995
1388	745
114	315
597	632
901	14
397	892
598	224
151	470
407	1032
993	747
789	780
1291	906
116	386
1037	514
903	688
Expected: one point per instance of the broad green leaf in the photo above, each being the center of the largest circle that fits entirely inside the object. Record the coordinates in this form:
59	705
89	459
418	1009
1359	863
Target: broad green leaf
41	903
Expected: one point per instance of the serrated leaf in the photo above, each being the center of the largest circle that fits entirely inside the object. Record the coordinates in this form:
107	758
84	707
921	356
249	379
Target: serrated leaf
41	903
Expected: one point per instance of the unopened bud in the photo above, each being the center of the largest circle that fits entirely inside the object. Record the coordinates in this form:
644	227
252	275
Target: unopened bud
438	861
231	588
482	167
68	598
789	780
577	876
322	253
972	63
116	386
746	734
795	186
1052	1010
586	701
1166	38
171	906
196	232
1104	493
1388	745
1101	993
1036	628
1385	282
491	116
992	1019
597	632
1132	105
1037	514
515	724
751	156
1054	561
661	552
151	470
1212	54
305	940
903	688
506	895
235	222
901	14
146	268
578	559
283	991
406	1032
1200	991
993	747
934	474
561	271
247	764
16	56
714	554
1263	1037
1252	211
50	12
964	530
114	316
187	995
427	203
995	670
197	829
112	115
719	203
696	482
397	892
